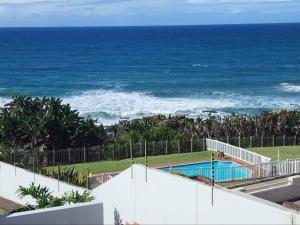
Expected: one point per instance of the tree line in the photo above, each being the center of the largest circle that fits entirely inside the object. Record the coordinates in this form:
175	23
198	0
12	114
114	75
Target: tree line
160	127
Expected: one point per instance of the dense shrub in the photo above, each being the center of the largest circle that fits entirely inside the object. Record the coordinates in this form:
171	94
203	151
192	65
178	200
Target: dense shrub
45	124
278	123
44	198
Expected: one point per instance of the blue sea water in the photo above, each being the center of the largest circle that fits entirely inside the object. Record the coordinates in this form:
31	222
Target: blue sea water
128	72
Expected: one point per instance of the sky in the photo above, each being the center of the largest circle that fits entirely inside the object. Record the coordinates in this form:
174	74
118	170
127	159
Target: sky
27	13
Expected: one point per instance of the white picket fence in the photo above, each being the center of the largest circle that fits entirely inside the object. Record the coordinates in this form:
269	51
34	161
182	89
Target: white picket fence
236	152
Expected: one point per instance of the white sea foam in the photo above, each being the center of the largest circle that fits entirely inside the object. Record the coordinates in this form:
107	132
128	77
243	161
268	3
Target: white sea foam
110	106
132	105
199	65
290	87
4	100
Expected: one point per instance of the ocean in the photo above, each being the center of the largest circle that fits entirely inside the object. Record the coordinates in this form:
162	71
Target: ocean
113	73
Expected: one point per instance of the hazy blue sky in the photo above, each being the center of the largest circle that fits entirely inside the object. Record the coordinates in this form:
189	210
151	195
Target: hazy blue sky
145	12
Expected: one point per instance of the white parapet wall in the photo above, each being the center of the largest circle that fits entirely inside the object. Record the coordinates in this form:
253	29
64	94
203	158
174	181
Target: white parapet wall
11	177
79	214
153	196
169	199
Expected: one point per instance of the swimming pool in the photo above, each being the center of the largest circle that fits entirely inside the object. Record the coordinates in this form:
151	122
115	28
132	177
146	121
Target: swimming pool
224	171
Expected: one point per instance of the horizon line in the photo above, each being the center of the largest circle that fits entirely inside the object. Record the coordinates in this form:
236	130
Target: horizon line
161	25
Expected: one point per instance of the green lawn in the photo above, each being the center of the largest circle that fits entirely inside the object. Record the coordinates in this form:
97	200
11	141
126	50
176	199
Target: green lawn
285	152
155	161
111	166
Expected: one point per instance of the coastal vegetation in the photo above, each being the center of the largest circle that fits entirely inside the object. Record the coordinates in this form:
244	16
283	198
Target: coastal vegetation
44	124
46	130
278	123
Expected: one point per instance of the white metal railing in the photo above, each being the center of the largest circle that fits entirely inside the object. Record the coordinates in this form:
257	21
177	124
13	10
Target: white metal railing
247	172
236	152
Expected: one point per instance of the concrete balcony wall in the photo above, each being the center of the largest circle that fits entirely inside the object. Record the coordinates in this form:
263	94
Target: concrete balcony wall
79	214
12	177
171	199
162	198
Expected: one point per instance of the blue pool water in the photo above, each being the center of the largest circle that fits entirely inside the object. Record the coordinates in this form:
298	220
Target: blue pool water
224	171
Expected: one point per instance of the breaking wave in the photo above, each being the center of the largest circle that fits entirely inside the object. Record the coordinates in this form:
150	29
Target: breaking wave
111	106
290	87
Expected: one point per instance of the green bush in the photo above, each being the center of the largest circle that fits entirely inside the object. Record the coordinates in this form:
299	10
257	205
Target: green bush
45	124
69	175
44	199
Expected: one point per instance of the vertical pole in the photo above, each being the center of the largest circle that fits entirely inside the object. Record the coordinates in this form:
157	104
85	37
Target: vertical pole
33	168
99	153
212	179
38	159
58	177
146	161
283	140
87	178
262	140
140	149
196	204
153	148
126	152
250	141
239	140
69	154
53	157
131	157
113	153
227	139
15	162
166	147
192	144
273	140
84	151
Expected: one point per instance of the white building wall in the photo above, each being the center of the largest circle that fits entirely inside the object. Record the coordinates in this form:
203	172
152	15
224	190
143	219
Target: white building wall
170	199
79	214
163	199
118	194
296	219
12	177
